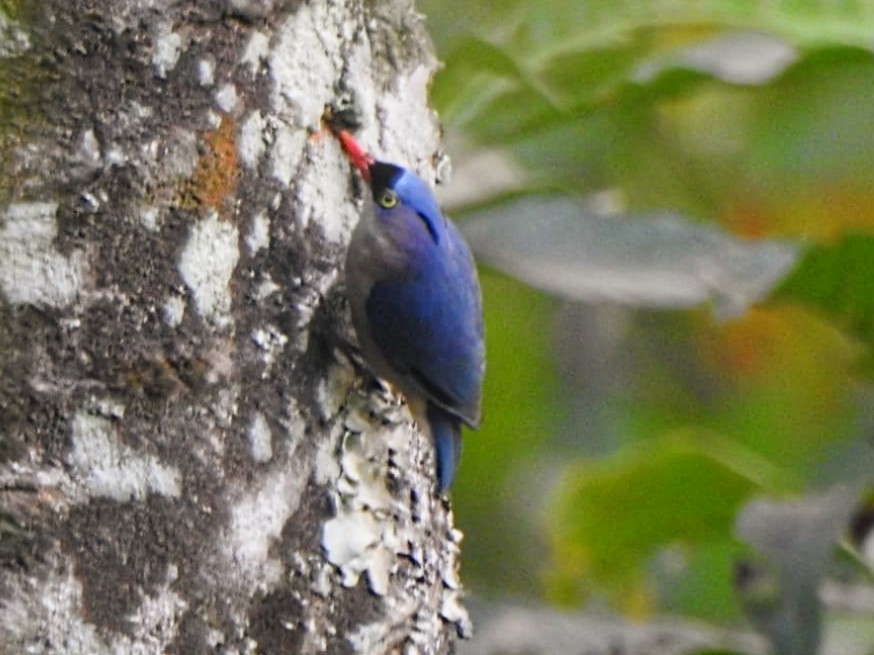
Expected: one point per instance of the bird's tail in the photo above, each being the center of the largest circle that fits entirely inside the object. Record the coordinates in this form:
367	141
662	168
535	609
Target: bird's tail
446	432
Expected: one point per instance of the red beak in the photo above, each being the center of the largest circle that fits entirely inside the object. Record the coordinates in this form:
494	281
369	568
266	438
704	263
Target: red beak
360	159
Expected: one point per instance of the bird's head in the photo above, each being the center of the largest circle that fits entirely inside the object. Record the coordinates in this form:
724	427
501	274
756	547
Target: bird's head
395	189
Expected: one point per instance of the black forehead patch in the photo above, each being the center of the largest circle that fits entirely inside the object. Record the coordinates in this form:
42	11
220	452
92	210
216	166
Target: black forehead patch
383	176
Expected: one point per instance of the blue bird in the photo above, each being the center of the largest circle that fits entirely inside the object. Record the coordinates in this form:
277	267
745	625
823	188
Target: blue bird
416	304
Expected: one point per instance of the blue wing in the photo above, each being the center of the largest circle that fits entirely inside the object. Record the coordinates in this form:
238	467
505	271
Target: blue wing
428	325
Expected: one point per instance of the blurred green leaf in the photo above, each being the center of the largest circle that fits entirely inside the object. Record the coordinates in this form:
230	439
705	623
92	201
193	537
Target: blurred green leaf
481	69
787	386
611	517
587	76
579	50
552	27
800	148
583	92
702	585
838	280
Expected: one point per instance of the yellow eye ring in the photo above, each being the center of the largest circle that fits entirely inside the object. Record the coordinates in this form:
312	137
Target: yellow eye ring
387	199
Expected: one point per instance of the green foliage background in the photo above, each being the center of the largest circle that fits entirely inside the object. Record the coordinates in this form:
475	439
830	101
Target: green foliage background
622	482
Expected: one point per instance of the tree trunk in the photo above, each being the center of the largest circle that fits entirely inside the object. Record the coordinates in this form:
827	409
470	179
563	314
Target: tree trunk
188	462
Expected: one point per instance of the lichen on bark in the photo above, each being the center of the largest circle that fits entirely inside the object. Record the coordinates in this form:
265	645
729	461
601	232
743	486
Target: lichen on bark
180	436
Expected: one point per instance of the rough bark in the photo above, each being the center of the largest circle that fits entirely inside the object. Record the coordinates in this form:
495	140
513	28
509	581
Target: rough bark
188	463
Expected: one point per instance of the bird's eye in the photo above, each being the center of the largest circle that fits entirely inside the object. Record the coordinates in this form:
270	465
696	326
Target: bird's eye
387	199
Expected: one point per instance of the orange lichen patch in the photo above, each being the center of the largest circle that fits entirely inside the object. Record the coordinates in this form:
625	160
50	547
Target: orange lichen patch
155	378
215	179
161	376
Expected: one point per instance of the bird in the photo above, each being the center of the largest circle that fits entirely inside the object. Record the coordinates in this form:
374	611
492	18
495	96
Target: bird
416	304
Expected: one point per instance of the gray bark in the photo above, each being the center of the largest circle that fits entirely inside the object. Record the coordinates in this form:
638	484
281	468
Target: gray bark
188	463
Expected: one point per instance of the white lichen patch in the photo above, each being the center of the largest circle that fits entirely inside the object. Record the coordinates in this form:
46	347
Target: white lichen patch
451	579
165	55
258	236
149	216
375	532
353	459
57	617
256	52
257	520
226	98
361	410
88	152
271	342
133	115
318	192
213	119
226	404
222	363
54	614
350	540
32	271
362	538
115	156
411	91
109	468
180	154
173	310
13	39
108	407
452	610
155	622
260	439
266	288
372	638
305	60
206	266
206	72
261	512
379	570
327	469
365	456
253	139
313	290
331	391
294	425
285	156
